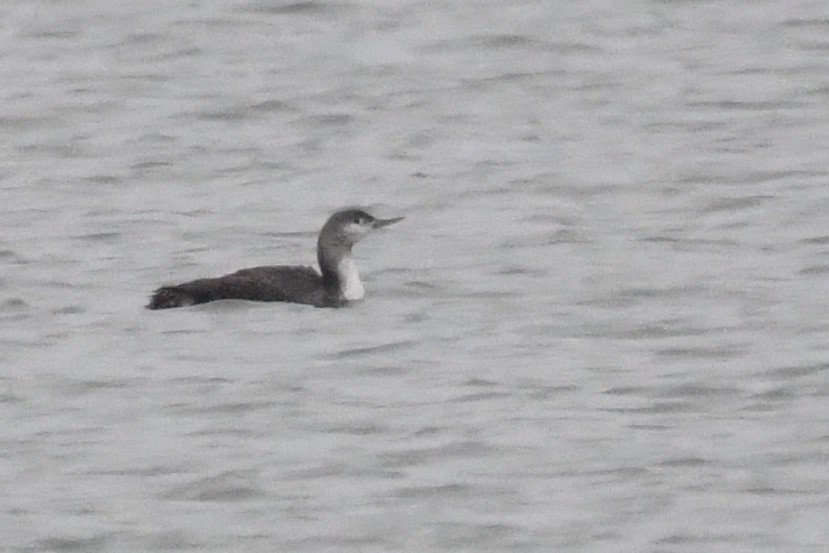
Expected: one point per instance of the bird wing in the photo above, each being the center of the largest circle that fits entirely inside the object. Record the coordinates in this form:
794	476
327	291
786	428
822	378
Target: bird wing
271	283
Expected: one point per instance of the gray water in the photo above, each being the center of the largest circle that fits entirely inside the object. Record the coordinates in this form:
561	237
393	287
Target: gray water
601	327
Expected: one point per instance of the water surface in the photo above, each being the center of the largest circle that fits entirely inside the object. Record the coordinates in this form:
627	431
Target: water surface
601	327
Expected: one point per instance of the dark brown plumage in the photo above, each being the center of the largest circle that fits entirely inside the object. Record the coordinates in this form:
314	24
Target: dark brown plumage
278	283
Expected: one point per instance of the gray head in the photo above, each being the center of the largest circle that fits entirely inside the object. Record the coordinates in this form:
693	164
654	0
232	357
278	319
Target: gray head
342	230
349	226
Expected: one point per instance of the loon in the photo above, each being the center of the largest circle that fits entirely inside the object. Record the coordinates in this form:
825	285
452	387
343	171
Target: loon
335	285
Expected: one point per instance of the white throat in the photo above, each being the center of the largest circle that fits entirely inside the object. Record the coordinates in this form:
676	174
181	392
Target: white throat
351	287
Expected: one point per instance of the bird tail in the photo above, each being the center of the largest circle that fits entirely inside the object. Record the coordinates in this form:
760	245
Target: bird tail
168	297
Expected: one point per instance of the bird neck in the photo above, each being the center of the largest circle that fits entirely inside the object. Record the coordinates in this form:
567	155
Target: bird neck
339	272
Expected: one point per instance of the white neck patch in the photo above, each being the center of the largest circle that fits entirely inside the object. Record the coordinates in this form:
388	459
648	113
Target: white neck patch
351	287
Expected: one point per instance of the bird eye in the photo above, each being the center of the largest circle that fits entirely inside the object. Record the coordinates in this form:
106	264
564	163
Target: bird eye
359	219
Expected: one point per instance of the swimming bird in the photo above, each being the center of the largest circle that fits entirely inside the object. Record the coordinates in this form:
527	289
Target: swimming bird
336	284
